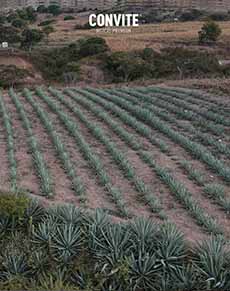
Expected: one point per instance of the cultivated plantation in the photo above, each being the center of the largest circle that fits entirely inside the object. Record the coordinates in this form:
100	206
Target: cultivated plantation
157	152
114	150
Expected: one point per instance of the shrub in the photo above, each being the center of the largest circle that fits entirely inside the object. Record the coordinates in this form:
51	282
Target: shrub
11	75
18	23
218	16
12	205
54	9
2	19
69	17
9	34
92	46
47	30
187	62
84	26
209	32
46	22
42	9
30	37
126	66
191	15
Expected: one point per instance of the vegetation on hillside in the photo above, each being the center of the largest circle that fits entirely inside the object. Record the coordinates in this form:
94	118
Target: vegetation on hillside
163	15
12	75
170	63
62	64
209	32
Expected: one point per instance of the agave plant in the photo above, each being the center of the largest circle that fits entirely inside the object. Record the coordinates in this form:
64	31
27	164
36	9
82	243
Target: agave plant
43	233
39	263
67	214
111	245
5	224
144	234
66	242
185	277
144	271
34	212
82	280
171	249
15	264
112	284
54	281
98	217
212	261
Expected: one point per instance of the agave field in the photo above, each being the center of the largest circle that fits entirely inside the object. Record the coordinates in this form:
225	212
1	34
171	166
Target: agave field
162	153
144	174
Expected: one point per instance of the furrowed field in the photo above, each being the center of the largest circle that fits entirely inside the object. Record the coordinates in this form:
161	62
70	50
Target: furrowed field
156	152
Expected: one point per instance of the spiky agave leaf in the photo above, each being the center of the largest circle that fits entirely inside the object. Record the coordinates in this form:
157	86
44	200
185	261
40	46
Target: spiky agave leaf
54	281
164	282
112	284
66	243
144	235
94	223
67	214
5	224
184	278
111	245
212	260
15	264
82	280
171	248
143	272
98	217
43	233
34	212
39	262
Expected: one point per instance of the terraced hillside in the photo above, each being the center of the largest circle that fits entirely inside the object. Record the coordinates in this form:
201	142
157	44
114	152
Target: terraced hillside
159	152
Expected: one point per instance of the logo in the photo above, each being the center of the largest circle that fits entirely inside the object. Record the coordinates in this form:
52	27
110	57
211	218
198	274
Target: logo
113	20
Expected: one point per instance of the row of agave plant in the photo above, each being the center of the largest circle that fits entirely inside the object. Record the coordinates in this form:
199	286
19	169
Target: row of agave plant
92	158
38	158
66	248
117	155
158	107
179	190
149	118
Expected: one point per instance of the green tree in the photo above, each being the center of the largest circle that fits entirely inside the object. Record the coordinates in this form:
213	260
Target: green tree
9	34
209	32
18	23
54	9
42	9
31	14
30	37
2	19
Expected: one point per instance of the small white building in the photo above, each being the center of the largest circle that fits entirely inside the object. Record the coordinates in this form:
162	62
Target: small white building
4	44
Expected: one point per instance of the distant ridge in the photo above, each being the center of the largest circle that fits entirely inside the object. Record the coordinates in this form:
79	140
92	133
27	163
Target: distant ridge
211	5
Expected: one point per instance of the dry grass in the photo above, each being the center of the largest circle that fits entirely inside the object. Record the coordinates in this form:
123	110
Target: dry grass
153	35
